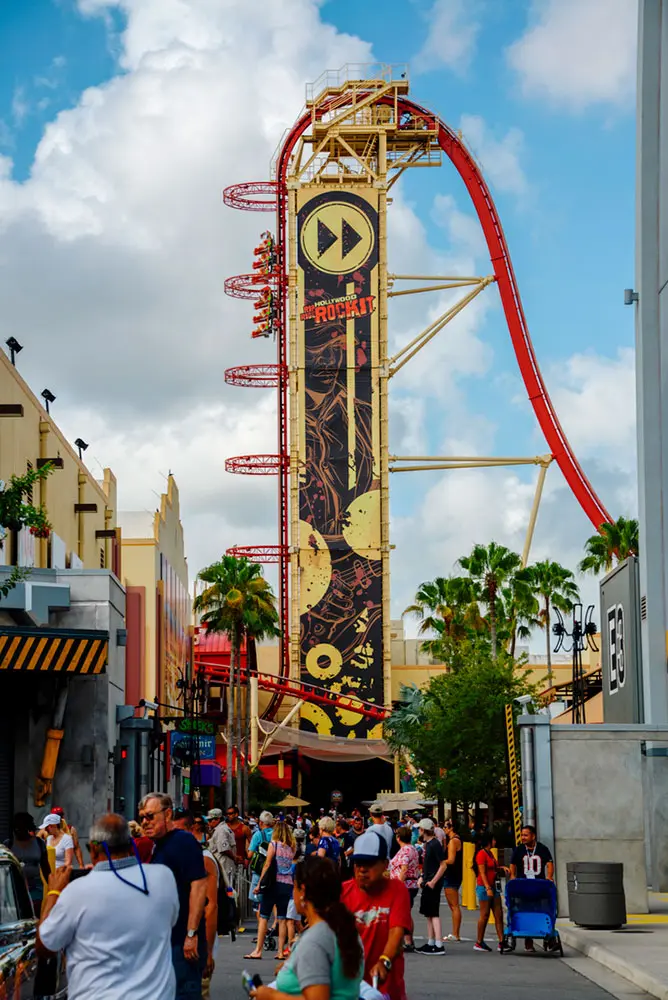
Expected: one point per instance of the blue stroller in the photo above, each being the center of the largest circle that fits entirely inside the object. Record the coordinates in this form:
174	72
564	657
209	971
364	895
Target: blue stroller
532	913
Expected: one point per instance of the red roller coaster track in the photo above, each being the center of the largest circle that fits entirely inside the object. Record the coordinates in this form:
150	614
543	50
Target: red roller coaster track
256	465
291	689
245	286
249	286
254	376
499	254
266	554
252	196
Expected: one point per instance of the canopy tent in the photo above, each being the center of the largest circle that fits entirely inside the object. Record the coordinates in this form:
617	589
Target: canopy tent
402	801
284	738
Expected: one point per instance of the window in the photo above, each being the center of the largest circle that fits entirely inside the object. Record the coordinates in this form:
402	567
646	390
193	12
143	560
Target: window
23	901
9	911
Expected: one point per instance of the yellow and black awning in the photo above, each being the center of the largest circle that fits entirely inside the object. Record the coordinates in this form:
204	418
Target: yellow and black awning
54	650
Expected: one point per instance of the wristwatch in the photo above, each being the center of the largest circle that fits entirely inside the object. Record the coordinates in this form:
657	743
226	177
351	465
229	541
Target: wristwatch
387	962
191	933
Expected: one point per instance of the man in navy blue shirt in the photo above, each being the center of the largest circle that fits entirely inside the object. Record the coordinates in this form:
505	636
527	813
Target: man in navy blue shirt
181	853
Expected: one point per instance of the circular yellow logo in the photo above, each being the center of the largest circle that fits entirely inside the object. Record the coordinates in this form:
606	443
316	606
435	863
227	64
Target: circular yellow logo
337	237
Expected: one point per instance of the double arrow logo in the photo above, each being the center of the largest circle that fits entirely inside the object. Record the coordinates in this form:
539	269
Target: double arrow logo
326	238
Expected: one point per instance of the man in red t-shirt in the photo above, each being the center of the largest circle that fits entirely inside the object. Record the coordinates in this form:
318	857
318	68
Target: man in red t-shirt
382	910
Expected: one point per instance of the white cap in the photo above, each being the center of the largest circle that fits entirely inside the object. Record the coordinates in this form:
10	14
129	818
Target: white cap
426	824
53	819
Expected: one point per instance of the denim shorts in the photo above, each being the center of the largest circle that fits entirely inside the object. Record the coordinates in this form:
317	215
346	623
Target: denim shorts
481	894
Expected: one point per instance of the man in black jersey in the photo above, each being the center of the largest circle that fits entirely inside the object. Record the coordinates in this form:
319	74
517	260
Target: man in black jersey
531	859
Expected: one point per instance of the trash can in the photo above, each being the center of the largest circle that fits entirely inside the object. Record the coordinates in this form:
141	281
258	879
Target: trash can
596	894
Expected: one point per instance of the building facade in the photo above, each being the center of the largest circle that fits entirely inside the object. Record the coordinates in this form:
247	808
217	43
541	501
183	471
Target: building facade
155	574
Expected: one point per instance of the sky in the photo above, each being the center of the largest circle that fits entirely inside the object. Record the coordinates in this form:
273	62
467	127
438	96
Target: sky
122	120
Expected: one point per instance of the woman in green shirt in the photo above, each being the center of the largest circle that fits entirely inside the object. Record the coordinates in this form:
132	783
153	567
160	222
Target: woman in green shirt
327	962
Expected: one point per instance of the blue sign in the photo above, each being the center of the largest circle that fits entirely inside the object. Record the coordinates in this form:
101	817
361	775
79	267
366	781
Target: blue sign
202	746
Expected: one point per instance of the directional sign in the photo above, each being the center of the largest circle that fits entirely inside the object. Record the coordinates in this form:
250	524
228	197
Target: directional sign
203	747
337	237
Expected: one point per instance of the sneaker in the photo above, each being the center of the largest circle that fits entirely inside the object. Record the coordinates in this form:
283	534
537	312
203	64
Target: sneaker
481	946
409	949
426	949
438	949
500	947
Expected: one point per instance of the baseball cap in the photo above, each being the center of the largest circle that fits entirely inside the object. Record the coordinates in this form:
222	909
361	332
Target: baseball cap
375	809
58	811
215	814
426	824
53	819
370	847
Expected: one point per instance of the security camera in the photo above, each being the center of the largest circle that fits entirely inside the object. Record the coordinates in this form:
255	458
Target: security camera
524	700
151	705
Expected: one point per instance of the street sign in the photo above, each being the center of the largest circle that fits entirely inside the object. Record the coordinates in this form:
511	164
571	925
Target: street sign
202	747
620	644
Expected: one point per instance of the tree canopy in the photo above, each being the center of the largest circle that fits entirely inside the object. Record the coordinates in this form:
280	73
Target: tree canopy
614	543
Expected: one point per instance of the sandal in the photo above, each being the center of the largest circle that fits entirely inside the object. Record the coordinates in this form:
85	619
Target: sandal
254	958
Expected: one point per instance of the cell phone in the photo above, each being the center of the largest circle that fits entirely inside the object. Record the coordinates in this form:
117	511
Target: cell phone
374	982
250	982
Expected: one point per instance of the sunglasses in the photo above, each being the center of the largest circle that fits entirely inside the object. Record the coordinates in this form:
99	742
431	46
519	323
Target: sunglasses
147	817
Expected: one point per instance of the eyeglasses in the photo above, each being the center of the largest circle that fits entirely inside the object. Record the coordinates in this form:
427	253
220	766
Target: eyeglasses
147	817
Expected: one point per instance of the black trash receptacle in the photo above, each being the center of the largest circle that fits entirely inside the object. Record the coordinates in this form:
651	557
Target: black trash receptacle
596	894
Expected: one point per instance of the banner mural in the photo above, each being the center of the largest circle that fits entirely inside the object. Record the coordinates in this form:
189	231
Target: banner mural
340	579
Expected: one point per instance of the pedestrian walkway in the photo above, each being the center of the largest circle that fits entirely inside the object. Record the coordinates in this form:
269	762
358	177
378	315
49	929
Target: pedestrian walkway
638	952
460	973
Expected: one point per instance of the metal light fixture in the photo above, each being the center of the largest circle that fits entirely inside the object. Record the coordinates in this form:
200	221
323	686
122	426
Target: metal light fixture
48	397
14	348
81	445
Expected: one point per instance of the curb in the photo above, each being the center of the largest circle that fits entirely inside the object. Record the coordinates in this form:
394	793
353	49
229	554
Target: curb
609	960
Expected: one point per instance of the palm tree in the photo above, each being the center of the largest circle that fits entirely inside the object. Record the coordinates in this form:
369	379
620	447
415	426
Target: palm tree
555	587
240	602
614	542
492	567
447	606
520	607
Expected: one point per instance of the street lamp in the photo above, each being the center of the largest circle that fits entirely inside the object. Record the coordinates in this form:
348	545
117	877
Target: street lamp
81	445
48	397
14	348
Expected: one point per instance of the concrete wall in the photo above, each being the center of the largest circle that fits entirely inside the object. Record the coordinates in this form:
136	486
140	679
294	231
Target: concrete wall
83	783
35	435
605	799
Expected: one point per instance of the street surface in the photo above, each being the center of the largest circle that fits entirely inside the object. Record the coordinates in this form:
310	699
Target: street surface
460	973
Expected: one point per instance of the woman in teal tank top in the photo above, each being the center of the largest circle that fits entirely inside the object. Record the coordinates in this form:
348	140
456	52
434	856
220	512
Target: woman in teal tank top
327	962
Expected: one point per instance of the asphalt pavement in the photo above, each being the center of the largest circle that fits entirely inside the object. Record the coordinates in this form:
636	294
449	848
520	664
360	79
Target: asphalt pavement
460	973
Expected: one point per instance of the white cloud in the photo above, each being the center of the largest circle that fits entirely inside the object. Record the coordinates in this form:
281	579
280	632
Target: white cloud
20	106
453	30
499	158
595	398
578	53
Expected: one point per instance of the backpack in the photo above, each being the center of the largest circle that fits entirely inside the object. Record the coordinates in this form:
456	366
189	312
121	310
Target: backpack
260	856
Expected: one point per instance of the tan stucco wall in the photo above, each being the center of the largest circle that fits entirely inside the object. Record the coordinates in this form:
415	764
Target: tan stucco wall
144	540
35	435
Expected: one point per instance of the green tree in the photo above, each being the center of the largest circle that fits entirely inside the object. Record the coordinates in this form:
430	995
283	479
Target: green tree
614	543
555	587
448	607
240	602
454	731
493	567
18	511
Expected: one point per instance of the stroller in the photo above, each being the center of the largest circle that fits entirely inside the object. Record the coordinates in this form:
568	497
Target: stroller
532	913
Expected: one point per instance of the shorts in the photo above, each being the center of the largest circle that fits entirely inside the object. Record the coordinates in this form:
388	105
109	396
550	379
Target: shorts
430	901
292	913
452	884
481	894
278	896
413	893
254	894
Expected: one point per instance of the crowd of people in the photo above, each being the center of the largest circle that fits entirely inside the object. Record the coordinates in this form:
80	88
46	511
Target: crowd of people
160	892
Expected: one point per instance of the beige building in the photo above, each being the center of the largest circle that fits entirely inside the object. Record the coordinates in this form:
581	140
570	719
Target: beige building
159	607
82	511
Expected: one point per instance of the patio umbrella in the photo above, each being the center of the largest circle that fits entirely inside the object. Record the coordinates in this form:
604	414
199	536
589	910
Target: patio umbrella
293	802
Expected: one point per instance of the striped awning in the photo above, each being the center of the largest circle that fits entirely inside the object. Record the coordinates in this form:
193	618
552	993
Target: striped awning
53	650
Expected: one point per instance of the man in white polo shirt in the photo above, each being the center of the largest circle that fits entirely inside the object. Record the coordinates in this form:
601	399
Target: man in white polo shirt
115	924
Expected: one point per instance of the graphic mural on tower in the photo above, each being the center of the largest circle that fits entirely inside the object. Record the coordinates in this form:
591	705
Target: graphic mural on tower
340	567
